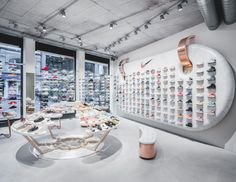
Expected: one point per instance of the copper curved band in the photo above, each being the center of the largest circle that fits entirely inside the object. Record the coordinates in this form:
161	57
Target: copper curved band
183	53
121	67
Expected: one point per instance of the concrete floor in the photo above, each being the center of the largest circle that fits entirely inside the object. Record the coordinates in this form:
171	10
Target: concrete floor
179	160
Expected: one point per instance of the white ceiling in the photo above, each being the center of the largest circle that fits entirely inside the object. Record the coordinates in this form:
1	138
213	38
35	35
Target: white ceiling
84	16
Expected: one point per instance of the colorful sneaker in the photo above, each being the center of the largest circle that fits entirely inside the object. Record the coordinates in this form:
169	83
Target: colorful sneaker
212	94
180	94
45	68
211	104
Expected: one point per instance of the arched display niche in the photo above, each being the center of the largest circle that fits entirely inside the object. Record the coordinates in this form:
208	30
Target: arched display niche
132	97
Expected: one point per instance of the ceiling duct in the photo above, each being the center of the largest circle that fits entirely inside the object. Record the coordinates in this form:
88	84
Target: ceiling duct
229	11
209	13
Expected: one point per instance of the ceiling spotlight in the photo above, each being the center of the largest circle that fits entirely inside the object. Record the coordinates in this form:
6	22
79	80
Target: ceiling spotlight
63	13
44	29
162	17
180	7
146	24
126	36
62	38
15	25
79	39
185	2
136	31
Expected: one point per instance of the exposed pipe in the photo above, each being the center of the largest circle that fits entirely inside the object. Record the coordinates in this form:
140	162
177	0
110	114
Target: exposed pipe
229	11
209	13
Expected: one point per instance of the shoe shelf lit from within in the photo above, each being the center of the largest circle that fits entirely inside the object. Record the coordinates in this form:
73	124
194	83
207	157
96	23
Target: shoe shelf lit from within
97	89
10	82
192	101
55	79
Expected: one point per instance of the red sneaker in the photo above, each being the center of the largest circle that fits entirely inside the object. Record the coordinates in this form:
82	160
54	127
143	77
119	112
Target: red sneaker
45	68
12	102
54	77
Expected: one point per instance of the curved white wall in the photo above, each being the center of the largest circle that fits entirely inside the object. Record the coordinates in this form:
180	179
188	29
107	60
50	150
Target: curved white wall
224	41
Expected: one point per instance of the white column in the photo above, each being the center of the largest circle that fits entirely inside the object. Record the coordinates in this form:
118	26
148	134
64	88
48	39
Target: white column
28	65
112	96
80	70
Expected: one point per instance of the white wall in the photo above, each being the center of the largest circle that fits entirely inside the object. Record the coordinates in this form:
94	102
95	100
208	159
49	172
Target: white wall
224	41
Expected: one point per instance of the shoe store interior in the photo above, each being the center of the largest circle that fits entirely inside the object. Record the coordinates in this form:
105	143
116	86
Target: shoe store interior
123	90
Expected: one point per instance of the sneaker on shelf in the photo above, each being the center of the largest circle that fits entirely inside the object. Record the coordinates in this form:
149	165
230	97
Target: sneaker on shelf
13	107
212	86
55	77
200	111
212	94
212	78
180	94
45	68
189	94
12	98
189	101
211	104
212	61
189	109
211	69
12	103
189	125
199	119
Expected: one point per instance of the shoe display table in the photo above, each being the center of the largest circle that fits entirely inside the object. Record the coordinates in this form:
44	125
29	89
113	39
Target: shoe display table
45	144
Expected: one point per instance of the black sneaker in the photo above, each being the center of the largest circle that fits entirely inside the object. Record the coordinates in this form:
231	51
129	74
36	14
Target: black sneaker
12	107
33	129
212	69
39	120
212	86
189	124
12	98
189	109
189	101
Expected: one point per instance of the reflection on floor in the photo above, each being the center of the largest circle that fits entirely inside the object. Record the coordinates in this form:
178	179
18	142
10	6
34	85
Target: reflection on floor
178	160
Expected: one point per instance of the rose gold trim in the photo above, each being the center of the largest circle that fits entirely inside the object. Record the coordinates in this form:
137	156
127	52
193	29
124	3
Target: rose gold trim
121	67
183	53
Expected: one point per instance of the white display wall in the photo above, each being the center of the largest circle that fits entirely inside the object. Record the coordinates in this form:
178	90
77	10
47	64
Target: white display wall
163	93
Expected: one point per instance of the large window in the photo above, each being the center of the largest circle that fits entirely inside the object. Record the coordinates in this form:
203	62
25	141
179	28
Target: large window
10	81
55	79
97	84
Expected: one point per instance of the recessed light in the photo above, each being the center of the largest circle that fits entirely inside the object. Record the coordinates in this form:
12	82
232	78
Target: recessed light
44	29
162	17
180	7
63	13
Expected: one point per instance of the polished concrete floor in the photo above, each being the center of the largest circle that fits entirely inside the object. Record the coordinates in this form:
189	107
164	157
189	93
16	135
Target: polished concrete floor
178	160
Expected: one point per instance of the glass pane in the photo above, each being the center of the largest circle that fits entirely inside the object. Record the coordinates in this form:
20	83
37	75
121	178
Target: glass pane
55	79
10	82
97	84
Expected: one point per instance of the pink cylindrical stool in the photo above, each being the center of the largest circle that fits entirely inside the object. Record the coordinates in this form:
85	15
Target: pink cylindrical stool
147	143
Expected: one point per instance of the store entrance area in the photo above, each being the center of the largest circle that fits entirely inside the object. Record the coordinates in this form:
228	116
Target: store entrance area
178	158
